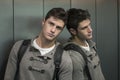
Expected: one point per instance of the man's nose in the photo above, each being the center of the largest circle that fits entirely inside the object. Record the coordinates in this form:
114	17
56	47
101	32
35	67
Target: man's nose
53	29
89	29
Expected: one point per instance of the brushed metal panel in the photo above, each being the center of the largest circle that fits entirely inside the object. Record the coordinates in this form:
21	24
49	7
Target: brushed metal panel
119	39
49	4
107	37
27	18
6	33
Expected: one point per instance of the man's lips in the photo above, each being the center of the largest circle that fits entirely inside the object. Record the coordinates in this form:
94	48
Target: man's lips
51	35
90	34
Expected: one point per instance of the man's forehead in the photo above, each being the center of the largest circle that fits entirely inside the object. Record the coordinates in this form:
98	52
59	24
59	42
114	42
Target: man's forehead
56	21
84	22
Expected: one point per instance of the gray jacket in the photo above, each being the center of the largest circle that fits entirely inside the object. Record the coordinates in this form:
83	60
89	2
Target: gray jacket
33	66
79	64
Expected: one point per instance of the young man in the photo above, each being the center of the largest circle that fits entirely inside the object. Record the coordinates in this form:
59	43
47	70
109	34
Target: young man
38	60
79	26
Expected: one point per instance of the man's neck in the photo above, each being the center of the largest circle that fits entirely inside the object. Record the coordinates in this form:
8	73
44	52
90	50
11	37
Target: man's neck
80	42
44	43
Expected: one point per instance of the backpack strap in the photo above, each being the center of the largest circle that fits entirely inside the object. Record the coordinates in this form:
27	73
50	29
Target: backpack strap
21	52
57	61
78	49
22	49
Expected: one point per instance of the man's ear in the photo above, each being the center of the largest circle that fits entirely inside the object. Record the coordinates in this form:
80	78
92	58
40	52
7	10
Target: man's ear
72	31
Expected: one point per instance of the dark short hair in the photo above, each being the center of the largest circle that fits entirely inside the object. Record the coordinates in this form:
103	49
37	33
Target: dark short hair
58	13
75	16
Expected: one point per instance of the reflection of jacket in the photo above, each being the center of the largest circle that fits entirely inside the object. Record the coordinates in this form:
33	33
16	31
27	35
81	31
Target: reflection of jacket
79	69
33	66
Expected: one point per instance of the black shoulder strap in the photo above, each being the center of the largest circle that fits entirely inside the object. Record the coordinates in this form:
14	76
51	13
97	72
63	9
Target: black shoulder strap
57	61
21	52
22	49
78	49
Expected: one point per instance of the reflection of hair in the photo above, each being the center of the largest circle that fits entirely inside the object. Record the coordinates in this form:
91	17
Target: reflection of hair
58	13
75	16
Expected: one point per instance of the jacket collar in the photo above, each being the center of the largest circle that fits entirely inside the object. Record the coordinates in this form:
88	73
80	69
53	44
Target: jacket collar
34	50
90	42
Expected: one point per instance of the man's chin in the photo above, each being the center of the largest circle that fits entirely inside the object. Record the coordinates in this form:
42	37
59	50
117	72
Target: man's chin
50	39
90	38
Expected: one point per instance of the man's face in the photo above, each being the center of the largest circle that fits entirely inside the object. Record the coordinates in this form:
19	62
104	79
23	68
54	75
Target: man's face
52	27
84	30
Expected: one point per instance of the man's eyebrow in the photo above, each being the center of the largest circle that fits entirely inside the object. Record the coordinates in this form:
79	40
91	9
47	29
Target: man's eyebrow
51	22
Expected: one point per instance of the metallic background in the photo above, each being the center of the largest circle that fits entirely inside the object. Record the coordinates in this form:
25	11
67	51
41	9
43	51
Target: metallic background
21	19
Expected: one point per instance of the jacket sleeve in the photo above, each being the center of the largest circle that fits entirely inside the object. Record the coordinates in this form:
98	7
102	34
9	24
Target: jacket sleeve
66	67
12	62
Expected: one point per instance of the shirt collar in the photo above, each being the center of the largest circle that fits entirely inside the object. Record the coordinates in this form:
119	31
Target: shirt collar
49	55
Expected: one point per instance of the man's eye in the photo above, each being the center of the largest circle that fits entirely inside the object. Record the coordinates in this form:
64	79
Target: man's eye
52	24
59	28
83	28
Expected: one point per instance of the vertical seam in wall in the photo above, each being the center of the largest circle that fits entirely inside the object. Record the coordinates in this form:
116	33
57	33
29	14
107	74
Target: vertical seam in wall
43	9
13	22
96	20
118	37
70	3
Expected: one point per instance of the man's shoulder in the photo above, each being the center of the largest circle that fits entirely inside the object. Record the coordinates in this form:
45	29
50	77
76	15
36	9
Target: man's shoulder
17	43
69	46
68	43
